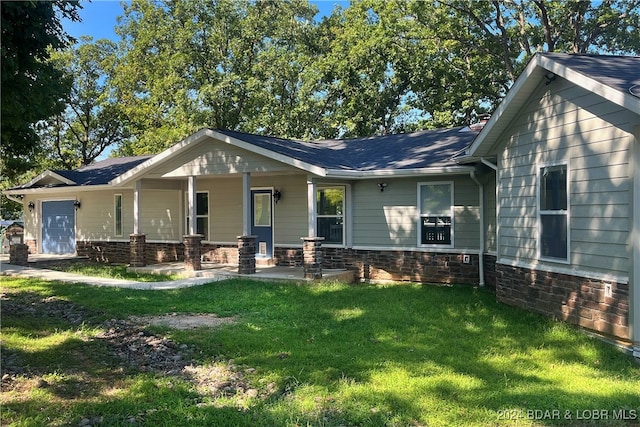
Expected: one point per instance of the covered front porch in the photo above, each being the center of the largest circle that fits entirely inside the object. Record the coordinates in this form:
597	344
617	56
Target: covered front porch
214	198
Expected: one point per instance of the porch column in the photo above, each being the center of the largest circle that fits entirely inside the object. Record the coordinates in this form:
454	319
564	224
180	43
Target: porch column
246	254
312	257
311	207
18	253
191	199
137	240
246	242
192	252
137	252
246	204
192	248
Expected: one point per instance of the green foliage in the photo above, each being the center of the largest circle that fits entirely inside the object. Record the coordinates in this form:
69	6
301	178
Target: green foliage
93	119
328	354
270	67
32	87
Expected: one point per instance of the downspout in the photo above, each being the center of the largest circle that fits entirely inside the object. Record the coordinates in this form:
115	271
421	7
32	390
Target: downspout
482	243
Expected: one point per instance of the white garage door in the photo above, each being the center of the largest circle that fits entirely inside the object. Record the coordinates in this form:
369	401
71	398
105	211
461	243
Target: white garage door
58	227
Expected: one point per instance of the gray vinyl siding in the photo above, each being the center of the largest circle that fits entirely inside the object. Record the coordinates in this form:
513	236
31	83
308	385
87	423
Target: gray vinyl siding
390	218
95	220
290	221
160	215
225	207
566	124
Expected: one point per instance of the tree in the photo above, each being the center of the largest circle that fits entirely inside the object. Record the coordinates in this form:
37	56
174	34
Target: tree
194	64
375	67
92	120
32	88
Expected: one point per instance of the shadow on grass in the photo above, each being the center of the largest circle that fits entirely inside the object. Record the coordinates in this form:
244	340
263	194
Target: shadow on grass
367	355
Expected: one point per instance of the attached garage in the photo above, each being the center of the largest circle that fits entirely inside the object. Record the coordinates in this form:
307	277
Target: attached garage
58	227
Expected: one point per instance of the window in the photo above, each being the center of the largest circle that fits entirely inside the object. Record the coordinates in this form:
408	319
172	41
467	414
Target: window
436	213
202	214
553	212
118	215
262	210
330	218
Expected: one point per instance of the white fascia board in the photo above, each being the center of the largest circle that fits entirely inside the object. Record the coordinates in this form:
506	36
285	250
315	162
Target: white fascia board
46	190
622	99
51	174
199	136
398	173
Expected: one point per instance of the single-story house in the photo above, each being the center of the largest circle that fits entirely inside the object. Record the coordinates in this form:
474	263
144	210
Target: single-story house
542	202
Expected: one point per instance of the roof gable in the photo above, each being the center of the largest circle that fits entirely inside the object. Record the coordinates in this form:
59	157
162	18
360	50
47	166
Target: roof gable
615	78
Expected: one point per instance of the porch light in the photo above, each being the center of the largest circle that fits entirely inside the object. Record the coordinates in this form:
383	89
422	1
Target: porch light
31	206
76	204
382	186
277	195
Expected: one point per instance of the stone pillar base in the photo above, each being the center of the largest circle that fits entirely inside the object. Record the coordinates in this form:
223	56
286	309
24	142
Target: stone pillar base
192	252
246	254
312	257
137	255
18	254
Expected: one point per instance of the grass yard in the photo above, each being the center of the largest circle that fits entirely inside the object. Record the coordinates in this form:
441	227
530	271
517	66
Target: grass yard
113	271
321	355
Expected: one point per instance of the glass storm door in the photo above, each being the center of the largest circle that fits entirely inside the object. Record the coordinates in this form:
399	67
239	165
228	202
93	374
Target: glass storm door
262	222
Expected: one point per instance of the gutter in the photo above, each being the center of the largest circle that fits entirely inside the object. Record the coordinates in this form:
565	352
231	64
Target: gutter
482	242
13	198
397	173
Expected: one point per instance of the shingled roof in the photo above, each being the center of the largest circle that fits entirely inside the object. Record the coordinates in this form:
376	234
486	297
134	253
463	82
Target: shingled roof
98	173
418	150
621	73
614	78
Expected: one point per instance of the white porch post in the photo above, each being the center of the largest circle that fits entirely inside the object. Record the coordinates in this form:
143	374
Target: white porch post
136	207
191	197
137	240
311	207
246	204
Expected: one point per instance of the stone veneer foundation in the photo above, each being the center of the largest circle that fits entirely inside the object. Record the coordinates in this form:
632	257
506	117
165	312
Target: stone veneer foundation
576	300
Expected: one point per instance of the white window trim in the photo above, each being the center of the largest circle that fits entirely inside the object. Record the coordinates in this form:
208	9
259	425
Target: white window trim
208	215
566	214
420	215
115	215
345	213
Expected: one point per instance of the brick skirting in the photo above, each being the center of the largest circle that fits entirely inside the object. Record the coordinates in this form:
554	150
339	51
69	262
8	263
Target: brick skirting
576	300
119	252
374	265
32	245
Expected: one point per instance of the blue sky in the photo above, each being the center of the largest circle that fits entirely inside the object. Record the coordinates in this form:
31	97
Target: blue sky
100	17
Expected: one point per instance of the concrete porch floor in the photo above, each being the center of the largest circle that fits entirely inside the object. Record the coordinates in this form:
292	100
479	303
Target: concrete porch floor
263	272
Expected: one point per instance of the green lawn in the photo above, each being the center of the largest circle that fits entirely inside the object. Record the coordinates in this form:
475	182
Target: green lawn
326	355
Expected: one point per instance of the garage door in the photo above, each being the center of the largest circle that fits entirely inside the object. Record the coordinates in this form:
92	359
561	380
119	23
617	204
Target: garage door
58	227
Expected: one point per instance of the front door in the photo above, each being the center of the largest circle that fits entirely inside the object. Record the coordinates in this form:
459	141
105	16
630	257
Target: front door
58	227
262	222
